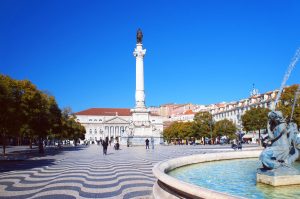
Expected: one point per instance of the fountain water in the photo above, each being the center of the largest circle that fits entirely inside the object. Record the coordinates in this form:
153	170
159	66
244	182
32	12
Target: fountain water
287	75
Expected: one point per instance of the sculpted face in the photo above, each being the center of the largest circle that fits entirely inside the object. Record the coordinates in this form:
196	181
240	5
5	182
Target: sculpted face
275	118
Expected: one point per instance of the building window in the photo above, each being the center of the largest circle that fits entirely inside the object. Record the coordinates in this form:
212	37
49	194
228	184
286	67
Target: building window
90	131
95	131
90	120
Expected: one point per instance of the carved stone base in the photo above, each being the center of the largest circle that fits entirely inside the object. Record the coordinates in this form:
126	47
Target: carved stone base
278	177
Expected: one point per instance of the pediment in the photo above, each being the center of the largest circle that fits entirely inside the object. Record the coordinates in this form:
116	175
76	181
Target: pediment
116	120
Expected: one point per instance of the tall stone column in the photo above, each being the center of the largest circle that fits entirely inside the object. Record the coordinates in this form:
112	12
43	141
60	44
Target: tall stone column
141	127
139	54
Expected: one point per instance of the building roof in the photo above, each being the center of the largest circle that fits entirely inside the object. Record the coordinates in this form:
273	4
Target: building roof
220	105
109	112
256	96
189	112
106	112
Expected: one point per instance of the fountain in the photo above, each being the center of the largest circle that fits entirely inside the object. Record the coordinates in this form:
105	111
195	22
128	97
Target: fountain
234	174
282	151
284	141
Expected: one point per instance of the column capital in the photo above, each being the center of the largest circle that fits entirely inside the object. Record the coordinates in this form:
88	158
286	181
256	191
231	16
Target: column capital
139	52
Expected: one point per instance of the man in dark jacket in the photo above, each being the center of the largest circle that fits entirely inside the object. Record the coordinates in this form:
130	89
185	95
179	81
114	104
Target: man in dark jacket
147	143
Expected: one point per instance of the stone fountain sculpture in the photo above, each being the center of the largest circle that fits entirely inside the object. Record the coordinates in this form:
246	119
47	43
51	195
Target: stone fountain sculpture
281	151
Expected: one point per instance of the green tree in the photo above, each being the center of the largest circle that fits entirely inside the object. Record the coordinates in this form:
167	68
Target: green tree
255	119
29	112
203	126
29	90
179	130
171	131
225	128
76	131
186	130
42	116
55	118
286	103
10	97
71	129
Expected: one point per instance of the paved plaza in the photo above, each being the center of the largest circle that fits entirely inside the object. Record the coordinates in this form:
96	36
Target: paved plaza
83	172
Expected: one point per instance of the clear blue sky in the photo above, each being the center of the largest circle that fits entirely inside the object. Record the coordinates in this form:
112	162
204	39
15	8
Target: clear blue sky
197	51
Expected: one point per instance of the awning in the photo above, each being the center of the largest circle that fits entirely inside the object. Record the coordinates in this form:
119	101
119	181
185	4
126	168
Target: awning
249	135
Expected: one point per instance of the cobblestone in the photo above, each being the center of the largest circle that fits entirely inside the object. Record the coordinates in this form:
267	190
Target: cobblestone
84	172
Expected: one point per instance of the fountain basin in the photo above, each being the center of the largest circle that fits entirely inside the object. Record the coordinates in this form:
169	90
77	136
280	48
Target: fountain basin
167	186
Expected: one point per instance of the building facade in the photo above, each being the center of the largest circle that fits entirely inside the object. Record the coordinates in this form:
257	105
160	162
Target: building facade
114	123
232	111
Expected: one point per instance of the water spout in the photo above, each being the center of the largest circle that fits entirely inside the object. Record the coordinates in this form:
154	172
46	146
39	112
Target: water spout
287	75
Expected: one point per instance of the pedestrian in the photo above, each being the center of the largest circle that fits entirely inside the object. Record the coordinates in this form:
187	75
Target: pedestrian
117	145
104	145
240	147
147	143
152	142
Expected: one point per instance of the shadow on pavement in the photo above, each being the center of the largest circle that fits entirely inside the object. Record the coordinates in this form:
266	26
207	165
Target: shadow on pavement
13	165
22	154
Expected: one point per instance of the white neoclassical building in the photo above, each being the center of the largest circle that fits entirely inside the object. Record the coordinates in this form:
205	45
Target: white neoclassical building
131	126
114	123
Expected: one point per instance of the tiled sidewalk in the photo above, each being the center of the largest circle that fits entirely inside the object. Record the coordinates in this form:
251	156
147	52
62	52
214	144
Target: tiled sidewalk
85	173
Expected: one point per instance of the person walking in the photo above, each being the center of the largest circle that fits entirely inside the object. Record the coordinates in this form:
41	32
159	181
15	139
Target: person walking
147	143
104	145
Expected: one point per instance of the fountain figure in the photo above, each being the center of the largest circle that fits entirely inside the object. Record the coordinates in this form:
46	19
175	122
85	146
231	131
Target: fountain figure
282	149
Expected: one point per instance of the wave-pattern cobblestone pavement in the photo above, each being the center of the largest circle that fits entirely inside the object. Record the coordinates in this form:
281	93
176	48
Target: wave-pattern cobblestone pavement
86	173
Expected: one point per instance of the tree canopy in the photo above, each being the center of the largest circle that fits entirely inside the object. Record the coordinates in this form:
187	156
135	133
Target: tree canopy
225	128
29	112
286	103
255	119
203	124
181	130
